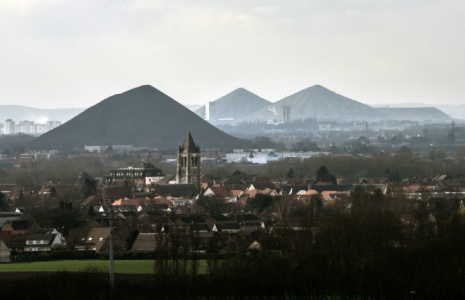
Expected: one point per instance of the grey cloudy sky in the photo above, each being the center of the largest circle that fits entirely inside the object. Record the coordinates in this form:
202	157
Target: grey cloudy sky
63	53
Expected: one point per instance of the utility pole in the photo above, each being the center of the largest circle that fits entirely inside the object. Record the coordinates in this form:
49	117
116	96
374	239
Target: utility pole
112	267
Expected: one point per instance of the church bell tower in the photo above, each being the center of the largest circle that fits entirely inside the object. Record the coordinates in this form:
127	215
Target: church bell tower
188	167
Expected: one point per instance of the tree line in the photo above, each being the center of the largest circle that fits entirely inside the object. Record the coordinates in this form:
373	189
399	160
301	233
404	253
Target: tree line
368	246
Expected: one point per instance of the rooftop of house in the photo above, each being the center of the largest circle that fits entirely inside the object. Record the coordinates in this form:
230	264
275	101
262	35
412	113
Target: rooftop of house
176	190
19	224
144	242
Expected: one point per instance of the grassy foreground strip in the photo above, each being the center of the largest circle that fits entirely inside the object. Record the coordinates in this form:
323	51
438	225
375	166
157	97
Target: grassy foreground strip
121	266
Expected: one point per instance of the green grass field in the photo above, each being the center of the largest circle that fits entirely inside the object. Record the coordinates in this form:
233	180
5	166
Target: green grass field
121	266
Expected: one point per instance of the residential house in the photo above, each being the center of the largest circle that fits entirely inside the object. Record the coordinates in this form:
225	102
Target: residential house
142	176
184	190
268	217
39	239
115	192
12	191
262	186
222	192
92	201
9	216
152	208
206	182
96	239
144	242
16	227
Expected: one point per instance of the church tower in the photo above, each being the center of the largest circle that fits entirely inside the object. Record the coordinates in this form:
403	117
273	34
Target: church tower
188	168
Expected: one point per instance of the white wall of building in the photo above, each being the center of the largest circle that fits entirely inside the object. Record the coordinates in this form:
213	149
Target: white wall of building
28	127
265	157
9	127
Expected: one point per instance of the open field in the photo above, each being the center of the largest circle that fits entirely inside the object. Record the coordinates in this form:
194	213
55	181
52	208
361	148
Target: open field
121	266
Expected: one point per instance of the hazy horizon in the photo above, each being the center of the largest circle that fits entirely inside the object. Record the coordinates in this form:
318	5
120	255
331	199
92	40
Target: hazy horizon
392	104
64	53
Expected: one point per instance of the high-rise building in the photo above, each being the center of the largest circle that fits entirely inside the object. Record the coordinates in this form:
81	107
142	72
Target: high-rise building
41	129
53	124
9	127
28	127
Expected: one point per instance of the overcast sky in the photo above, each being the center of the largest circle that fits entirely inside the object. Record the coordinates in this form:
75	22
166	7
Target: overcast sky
63	53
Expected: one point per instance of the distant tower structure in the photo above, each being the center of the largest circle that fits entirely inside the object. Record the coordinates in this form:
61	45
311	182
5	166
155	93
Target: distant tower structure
286	117
188	167
207	111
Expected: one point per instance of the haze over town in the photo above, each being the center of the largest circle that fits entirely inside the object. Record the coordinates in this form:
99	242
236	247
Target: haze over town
76	53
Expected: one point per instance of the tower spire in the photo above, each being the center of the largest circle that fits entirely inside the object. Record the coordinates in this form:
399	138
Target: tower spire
188	146
189	162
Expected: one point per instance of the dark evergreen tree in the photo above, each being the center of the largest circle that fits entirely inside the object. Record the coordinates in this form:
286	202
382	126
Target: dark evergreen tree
290	174
90	211
53	192
3	202
323	175
109	149
395	177
387	172
260	202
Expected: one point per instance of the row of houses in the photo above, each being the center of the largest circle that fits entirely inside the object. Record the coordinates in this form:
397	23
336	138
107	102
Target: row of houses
166	211
26	236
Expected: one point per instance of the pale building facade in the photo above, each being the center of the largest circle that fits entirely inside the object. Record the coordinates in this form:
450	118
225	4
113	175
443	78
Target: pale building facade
9	127
28	127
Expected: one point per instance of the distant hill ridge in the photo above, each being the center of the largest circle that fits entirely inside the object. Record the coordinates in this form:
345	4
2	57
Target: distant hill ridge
236	105
142	116
414	113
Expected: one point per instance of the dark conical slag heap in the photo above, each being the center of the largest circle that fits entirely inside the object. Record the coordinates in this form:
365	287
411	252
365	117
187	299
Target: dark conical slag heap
143	116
